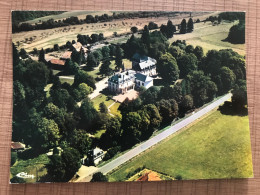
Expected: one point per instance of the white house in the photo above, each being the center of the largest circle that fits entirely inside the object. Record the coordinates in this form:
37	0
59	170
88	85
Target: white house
143	80
122	82
143	64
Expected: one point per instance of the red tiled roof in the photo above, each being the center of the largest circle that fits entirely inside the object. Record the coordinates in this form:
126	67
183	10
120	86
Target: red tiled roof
66	55
151	176
57	62
17	145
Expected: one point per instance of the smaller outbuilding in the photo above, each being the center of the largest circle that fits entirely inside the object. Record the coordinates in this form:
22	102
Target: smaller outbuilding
143	80
17	146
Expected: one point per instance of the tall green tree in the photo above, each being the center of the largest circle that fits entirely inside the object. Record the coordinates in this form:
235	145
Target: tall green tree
190	25
186	64
167	68
119	57
183	28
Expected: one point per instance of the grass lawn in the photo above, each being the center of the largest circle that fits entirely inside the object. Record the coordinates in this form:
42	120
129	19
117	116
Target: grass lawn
218	146
30	166
114	109
210	37
99	133
101	98
70	81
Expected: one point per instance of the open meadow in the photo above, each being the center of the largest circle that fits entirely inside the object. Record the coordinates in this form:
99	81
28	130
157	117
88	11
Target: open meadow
199	151
47	38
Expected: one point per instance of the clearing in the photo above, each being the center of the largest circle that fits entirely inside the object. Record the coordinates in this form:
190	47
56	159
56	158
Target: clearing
218	146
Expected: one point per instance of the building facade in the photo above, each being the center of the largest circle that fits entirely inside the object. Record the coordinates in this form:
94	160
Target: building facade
143	64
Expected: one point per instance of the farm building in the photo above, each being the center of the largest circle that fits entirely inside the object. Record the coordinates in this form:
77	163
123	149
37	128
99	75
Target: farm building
66	55
57	63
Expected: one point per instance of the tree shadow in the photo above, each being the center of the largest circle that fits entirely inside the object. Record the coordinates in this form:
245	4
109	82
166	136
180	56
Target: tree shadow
229	109
30	153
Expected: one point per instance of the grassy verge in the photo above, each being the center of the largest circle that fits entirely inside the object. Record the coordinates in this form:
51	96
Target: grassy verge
216	147
102	98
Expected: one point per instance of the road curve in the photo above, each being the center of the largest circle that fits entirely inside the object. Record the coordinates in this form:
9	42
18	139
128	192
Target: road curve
156	139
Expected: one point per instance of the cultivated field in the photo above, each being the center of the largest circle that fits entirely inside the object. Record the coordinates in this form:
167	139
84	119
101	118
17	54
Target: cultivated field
200	151
47	38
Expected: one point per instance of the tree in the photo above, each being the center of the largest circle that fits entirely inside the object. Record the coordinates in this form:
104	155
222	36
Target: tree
80	140
183	28
239	94
23	53
105	68
68	45
236	34
170	29
91	60
152	26
186	104
167	68
201	87
134	29
175	51
56	47
83	77
42	56
76	56
228	79
187	63
99	177
168	110
145	38
71	67
103	108
131	124
88	113
105	52
62	168
84	90
154	115
189	49
119	57
190	25
112	135
198	52
98	55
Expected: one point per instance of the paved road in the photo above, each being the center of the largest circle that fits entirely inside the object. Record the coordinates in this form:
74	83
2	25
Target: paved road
151	142
99	87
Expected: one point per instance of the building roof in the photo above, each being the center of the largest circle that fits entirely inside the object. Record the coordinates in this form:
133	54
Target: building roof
57	62
139	58
17	145
142	77
144	61
151	176
66	55
77	46
122	77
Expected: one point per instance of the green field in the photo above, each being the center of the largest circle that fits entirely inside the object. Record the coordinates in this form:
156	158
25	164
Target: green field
114	109
218	146
102	98
31	166
210	37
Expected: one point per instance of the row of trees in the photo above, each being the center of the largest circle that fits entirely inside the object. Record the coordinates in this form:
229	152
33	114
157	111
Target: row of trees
74	20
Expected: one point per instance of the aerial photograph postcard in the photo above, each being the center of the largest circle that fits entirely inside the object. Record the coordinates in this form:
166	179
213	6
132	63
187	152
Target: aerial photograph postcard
118	96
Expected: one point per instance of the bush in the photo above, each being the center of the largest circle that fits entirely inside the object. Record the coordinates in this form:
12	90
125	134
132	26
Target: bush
130	174
112	152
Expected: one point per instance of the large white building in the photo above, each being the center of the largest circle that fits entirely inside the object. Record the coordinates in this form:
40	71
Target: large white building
143	64
128	80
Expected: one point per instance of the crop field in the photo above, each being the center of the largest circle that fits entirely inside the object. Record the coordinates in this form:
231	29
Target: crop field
200	151
47	38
